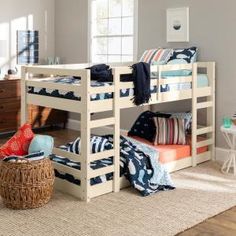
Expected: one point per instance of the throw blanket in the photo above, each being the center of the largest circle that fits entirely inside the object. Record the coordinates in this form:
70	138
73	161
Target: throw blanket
141	76
142	168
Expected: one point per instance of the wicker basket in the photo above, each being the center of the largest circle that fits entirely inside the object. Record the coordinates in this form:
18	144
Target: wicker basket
26	185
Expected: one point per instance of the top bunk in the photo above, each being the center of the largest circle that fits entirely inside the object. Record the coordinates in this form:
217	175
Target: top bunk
70	88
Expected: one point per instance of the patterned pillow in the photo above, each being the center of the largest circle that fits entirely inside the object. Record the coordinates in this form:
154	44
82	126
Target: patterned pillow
144	126
169	131
158	56
19	143
31	157
187	54
97	144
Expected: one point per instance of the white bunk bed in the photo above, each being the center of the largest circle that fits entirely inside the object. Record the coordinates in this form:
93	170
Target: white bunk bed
32	77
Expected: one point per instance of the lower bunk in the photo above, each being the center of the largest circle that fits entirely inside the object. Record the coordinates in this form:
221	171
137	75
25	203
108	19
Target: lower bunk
170	158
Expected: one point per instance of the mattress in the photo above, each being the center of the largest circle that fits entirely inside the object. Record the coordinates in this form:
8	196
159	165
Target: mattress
202	82
169	153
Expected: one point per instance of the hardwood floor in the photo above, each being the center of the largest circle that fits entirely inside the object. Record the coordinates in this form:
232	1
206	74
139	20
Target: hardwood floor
223	224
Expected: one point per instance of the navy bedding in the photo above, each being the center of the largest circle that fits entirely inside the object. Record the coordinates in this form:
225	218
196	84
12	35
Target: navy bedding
101	96
138	162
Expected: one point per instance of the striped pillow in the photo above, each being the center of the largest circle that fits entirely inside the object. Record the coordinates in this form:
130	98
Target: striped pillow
158	56
169	131
97	144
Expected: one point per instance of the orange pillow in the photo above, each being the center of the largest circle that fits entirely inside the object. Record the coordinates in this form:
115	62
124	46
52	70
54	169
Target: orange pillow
19	143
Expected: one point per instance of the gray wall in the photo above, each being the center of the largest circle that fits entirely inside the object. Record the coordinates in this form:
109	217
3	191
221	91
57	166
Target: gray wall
21	15
212	24
71	30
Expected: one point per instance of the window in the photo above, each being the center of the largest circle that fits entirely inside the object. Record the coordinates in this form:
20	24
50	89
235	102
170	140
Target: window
112	31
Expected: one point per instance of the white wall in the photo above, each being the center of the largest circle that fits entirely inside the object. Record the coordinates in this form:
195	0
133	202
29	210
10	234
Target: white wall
212	24
22	15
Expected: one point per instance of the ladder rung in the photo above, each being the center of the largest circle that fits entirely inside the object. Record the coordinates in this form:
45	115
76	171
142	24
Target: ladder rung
72	156
102	122
204	130
102	155
101	171
204	143
202	105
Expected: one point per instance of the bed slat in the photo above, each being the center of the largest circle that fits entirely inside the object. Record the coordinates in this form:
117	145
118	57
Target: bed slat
72	156
176	80
204	143
37	83
66	169
102	122
101	155
56	103
204	130
101	171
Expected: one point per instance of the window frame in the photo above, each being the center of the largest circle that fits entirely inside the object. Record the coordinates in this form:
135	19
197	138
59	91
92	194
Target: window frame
135	34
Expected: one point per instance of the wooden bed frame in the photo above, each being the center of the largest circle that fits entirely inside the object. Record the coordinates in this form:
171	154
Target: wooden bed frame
30	77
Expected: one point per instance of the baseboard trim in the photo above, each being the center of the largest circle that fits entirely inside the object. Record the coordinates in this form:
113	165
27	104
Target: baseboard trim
73	124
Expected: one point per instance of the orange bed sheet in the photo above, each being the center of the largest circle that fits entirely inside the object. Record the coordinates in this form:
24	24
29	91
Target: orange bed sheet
169	153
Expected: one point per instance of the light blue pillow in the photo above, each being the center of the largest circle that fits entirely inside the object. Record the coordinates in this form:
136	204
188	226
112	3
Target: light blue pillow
176	72
43	143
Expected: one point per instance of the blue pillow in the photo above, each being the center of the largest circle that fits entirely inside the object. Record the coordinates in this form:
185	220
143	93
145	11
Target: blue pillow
144	126
176	72
97	144
187	54
43	143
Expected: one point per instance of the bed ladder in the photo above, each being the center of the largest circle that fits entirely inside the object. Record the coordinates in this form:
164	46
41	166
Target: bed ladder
209	105
86	126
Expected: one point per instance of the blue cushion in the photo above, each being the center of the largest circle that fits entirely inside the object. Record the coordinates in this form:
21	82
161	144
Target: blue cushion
144	126
43	143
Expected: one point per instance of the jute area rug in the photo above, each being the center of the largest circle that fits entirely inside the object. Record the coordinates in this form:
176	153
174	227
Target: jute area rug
201	192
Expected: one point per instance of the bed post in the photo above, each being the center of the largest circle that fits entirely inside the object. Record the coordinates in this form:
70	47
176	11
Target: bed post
211	110
85	136
24	107
116	132
194	115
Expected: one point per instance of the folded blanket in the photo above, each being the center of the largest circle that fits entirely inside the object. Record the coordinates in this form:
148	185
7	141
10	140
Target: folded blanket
101	73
